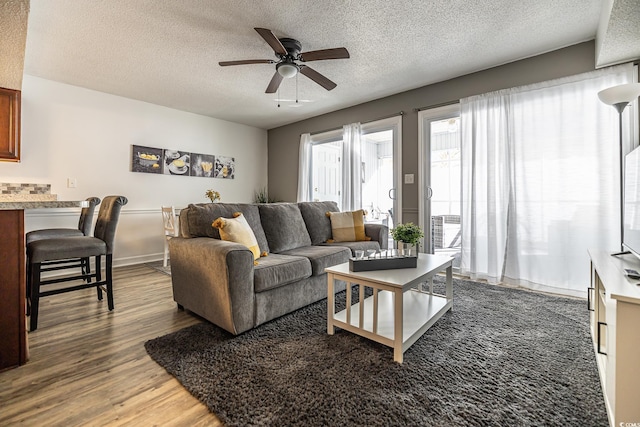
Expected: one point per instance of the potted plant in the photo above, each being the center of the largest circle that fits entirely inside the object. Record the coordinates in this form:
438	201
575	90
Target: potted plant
262	196
213	195
407	235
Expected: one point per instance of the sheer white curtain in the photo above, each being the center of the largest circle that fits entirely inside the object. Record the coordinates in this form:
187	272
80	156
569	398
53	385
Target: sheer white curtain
351	167
540	181
304	168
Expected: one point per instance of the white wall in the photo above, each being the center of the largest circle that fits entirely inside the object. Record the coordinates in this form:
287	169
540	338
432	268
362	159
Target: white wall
72	132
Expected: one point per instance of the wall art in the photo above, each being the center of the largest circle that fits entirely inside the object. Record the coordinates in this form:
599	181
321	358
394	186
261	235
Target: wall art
225	167
177	162
146	159
202	165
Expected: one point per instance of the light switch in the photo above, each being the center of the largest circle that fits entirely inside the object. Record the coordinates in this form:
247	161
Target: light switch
408	178
72	183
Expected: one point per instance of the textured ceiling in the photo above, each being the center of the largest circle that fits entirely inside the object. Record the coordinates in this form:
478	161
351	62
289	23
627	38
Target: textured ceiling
13	35
619	33
166	52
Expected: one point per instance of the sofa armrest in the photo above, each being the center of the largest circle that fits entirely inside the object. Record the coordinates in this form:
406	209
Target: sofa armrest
214	279
379	233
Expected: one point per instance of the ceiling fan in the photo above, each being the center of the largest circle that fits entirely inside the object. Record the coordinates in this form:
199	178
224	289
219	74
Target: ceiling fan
289	54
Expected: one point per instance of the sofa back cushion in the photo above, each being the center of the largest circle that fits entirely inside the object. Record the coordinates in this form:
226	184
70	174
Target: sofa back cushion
199	217
316	220
283	226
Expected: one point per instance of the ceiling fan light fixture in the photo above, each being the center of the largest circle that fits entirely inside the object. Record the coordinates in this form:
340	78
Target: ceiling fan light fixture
287	69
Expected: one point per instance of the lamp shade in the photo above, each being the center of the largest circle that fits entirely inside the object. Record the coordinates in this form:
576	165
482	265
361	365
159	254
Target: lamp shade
620	94
287	69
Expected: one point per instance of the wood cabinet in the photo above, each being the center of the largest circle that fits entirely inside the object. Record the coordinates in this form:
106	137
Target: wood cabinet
614	305
9	125
13	347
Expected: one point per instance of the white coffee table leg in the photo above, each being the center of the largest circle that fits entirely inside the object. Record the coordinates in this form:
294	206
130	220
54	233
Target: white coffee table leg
397	326
450	282
331	307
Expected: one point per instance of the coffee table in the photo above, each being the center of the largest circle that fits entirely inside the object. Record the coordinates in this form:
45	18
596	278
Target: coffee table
400	310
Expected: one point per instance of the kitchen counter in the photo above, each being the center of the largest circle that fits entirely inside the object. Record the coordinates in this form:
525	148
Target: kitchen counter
14	350
41	204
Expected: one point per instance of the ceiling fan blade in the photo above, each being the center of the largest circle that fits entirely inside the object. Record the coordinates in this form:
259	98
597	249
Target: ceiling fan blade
274	84
246	61
273	41
317	55
317	77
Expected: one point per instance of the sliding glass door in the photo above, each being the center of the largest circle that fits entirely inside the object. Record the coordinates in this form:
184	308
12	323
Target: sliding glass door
380	171
440	178
378	177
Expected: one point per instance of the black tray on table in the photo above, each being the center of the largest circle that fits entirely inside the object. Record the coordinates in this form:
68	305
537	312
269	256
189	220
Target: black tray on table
384	263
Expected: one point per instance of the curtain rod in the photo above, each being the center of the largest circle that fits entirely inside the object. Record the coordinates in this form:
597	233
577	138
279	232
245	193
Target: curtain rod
401	113
444	104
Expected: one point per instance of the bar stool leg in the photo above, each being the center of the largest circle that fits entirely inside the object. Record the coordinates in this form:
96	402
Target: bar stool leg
35	296
109	281
99	275
28	285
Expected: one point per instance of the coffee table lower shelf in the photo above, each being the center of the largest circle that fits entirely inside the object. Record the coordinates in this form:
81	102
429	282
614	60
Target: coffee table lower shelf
420	310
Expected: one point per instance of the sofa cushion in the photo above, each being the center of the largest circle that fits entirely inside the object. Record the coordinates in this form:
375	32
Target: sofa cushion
322	257
348	226
237	230
356	246
199	218
283	226
316	220
278	270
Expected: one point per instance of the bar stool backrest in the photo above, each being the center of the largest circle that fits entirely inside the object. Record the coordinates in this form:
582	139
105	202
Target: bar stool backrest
108	220
86	216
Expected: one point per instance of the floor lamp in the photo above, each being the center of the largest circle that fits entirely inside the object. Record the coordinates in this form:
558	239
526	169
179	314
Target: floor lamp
619	97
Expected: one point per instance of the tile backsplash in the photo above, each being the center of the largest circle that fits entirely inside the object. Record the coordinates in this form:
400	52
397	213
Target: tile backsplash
12	188
11	192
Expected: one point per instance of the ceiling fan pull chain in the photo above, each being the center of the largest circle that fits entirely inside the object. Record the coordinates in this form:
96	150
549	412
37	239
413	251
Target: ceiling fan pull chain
278	96
297	88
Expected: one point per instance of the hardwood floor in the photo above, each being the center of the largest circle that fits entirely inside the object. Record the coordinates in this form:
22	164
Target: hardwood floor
88	366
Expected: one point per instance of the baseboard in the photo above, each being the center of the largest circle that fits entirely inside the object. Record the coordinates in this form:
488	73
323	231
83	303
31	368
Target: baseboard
139	259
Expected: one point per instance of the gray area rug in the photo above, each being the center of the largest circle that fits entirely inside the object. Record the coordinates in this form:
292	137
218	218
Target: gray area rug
157	265
502	357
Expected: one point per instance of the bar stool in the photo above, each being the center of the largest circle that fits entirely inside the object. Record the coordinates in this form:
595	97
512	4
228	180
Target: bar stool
77	247
84	229
84	225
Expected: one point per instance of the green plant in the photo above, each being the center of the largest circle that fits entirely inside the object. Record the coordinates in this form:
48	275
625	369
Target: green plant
262	196
213	195
407	233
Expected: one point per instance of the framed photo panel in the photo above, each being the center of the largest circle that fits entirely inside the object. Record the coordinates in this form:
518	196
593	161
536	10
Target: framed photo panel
225	167
146	159
176	162
202	165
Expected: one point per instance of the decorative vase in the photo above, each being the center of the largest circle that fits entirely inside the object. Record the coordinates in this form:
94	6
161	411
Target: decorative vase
406	249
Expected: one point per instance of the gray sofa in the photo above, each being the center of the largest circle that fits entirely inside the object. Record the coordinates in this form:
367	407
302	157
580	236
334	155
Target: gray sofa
218	280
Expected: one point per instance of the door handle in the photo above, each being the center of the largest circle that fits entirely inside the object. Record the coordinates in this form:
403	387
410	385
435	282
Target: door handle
600	338
394	193
429	193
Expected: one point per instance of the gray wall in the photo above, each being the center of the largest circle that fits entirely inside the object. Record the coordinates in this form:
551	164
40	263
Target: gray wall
283	142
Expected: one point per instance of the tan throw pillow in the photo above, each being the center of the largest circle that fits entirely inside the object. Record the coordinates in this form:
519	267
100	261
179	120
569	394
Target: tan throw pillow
347	226
237	230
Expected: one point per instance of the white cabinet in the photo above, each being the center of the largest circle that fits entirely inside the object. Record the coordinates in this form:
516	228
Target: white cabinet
614	304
